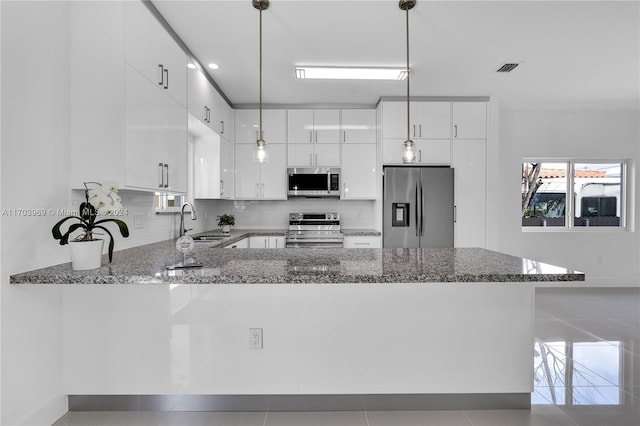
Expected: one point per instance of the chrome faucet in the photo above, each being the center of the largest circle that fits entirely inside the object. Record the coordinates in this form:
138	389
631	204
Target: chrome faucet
184	230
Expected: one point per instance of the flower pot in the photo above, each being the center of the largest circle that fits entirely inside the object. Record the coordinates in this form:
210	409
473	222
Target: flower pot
86	254
226	229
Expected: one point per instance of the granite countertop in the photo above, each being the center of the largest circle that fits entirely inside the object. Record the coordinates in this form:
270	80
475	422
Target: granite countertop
146	265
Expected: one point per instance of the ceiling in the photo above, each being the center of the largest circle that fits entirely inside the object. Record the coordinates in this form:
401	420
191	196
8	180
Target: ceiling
573	54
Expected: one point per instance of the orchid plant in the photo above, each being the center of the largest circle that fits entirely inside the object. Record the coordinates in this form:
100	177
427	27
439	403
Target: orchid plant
102	199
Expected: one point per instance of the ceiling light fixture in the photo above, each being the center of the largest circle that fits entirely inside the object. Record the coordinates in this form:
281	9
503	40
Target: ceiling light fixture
214	66
260	154
408	154
350	73
191	66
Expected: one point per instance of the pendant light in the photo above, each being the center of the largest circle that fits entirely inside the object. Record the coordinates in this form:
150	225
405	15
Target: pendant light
260	154
408	154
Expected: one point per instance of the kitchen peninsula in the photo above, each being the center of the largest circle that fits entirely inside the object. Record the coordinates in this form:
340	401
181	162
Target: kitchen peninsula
425	327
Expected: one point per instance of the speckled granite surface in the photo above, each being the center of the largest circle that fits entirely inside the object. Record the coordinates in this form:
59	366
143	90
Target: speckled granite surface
146	264
361	233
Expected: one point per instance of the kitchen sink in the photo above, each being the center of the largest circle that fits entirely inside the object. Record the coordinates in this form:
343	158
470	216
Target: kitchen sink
210	237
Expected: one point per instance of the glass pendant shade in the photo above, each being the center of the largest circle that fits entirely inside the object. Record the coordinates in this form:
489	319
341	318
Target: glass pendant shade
408	154
260	154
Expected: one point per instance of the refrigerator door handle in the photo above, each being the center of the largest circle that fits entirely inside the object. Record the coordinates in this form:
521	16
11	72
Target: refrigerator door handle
421	211
417	213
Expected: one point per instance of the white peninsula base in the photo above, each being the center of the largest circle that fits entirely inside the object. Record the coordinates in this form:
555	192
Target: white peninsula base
473	340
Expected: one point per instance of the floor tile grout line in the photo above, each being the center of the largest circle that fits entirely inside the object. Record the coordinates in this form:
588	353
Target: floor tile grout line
366	417
468	418
264	422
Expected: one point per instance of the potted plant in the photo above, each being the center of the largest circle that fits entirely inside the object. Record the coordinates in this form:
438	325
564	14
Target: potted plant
226	221
86	250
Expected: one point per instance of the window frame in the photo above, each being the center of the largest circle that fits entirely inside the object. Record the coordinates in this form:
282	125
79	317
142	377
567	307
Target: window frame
570	207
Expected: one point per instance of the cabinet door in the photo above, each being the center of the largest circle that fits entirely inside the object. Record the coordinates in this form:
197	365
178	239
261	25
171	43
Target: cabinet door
247	177
392	151
469	164
394	120
207	160
174	141
276	242
433	151
197	95
358	171
274	174
326	125
431	120
138	24
226	170
300	155
143	135
326	155
300	126
258	242
222	122
247	124
171	57
358	125
469	120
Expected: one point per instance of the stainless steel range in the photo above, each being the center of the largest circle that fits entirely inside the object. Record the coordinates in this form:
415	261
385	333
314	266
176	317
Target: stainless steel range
314	230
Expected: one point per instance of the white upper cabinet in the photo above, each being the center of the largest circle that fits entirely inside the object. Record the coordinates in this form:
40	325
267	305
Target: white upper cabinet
201	97
222	121
469	120
313	126
358	125
151	50
358	172
306	155
254	181
428	120
247	123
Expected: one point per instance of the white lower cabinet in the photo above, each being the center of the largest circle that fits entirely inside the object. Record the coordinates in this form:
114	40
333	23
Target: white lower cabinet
362	241
274	242
243	243
427	151
358	172
469	165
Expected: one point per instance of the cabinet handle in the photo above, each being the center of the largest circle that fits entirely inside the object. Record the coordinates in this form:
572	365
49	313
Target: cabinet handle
362	244
344	189
160	165
263	190
455	130
311	159
222	132
316	132
455	214
419	156
221	187
257	137
161	82
276	240
420	130
344	136
310	136
265	243
166	83
257	190
414	131
166	168
208	115
316	159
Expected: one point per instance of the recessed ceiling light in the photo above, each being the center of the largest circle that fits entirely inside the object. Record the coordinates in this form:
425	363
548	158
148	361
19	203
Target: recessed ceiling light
191	66
351	73
214	66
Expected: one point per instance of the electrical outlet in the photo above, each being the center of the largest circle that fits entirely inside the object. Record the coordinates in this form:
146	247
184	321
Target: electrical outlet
138	221
255	338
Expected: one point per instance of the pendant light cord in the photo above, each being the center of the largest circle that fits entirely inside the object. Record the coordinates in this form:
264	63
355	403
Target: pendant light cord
260	130
408	77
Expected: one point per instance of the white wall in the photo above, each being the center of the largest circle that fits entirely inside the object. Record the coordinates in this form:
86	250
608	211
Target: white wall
607	257
35	133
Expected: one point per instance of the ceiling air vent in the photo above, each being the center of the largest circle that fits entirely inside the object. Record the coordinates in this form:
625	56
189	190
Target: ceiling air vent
507	67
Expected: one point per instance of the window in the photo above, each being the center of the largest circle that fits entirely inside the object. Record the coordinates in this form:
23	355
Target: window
596	194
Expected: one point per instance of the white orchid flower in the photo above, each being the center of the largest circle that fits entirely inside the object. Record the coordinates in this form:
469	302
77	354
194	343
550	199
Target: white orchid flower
110	187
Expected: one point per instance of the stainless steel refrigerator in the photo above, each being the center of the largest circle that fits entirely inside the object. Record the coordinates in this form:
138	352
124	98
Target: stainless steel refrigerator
418	207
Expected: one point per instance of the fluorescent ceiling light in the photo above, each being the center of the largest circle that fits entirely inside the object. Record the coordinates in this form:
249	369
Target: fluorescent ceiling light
351	73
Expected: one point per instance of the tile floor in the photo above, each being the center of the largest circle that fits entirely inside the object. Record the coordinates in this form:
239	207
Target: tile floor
587	373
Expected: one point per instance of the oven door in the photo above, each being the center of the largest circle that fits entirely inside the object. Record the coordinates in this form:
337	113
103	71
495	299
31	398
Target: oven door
319	239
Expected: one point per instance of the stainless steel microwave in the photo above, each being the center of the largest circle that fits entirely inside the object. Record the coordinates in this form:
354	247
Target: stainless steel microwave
313	182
